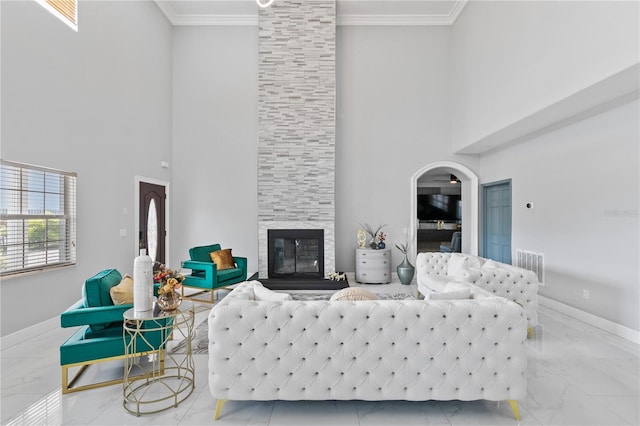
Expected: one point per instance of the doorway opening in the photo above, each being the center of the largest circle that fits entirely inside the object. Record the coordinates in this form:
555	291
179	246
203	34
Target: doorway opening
455	209
496	221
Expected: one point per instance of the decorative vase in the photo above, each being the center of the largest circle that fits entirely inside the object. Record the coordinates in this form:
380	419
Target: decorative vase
142	282
405	271
169	301
373	244
381	245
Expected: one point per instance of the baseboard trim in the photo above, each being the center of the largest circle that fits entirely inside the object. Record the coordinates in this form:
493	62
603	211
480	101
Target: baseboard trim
594	320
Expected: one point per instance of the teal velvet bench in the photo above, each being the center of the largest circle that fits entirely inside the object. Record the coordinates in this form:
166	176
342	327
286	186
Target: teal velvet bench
99	337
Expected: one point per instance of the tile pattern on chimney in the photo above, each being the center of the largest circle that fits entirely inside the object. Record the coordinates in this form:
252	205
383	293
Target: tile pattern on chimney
296	111
296	122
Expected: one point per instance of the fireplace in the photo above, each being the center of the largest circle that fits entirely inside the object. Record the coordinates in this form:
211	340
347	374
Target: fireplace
295	253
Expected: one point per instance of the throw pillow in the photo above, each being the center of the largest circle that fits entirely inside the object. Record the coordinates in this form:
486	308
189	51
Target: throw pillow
435	282
449	295
456	263
223	259
474	262
122	293
490	264
353	294
263	294
468	275
498	265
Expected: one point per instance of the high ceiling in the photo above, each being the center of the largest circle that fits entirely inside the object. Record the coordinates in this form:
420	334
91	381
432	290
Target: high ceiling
349	12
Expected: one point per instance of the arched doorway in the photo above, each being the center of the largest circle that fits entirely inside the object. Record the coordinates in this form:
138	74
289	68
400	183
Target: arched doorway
469	192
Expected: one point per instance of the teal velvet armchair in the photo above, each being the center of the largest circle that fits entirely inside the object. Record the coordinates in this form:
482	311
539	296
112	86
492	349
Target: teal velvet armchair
99	337
205	275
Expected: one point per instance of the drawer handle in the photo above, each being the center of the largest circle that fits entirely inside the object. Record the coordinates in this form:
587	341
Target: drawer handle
385	262
364	261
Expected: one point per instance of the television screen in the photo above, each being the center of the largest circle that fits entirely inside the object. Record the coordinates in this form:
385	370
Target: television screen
439	207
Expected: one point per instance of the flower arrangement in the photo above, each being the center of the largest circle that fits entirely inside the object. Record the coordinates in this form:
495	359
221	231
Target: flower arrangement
169	279
375	235
381	237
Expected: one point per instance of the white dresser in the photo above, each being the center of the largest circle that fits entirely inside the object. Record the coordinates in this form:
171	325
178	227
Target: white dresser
373	266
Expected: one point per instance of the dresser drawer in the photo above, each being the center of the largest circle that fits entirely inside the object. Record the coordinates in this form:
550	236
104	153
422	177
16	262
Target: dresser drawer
373	254
373	276
373	266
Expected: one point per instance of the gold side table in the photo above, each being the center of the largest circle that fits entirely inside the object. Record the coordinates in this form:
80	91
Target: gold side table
154	378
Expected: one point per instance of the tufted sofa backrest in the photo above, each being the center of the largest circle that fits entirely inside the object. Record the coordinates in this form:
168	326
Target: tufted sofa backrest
368	350
432	263
516	284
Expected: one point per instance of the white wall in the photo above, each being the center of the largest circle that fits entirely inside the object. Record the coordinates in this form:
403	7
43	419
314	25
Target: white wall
584	182
215	92
393	118
96	102
514	58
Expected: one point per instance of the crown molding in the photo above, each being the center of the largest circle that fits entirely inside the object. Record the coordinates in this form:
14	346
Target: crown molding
167	10
401	20
341	20
216	20
404	19
204	19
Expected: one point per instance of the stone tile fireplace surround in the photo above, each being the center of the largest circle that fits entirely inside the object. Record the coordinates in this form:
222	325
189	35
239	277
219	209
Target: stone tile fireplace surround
296	122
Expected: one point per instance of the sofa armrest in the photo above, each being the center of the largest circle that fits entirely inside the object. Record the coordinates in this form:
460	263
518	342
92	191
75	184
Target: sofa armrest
77	315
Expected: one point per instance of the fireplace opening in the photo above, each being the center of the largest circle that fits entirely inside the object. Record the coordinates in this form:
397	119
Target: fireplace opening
295	253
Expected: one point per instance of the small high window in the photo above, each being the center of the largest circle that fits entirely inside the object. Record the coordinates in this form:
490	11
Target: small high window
37	218
65	10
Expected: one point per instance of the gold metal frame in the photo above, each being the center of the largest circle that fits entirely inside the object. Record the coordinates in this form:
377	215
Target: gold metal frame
67	385
175	375
212	291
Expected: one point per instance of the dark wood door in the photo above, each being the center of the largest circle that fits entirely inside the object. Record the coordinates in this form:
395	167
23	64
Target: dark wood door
152	220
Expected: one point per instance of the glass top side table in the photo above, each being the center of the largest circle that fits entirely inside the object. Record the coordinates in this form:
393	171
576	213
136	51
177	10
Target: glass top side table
155	377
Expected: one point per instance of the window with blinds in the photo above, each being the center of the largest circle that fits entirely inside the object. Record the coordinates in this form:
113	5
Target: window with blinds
37	218
65	10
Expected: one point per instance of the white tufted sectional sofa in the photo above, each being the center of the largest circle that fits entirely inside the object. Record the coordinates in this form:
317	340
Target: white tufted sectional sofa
434	273
414	350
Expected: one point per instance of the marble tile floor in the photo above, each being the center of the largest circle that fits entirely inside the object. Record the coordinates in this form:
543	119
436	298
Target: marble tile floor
578	375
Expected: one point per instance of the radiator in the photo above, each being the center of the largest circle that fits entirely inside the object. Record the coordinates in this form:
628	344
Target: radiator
532	261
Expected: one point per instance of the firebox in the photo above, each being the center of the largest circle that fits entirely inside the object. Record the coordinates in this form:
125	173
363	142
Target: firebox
295	253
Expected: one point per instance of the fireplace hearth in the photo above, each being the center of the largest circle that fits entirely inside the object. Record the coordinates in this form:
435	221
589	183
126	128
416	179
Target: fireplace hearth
295	253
